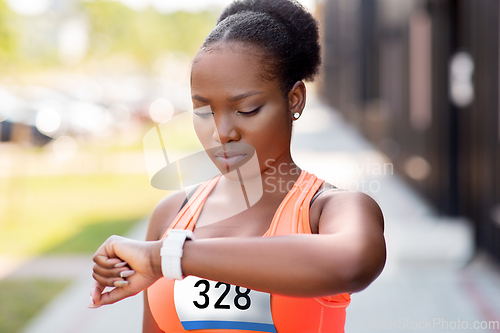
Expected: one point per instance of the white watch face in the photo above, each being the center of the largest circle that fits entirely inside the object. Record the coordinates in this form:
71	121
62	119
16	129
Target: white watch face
206	304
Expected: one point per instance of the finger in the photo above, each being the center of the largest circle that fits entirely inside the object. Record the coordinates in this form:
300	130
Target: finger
104	281
95	294
121	264
126	274
106	272
115	295
104	261
120	284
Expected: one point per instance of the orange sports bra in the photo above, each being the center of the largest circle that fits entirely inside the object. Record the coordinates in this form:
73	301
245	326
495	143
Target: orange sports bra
214	307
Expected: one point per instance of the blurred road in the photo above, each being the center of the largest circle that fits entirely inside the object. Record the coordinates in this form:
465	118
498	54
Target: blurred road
429	283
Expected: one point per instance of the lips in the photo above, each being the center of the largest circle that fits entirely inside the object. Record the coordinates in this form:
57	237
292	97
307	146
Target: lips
229	158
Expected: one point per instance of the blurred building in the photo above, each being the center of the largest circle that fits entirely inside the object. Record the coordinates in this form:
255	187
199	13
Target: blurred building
420	79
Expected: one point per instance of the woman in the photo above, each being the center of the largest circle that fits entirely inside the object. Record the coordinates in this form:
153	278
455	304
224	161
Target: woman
326	243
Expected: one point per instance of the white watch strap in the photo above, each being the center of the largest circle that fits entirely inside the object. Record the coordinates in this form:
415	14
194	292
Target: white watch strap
171	253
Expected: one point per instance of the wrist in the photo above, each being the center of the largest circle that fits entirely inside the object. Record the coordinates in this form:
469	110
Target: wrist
172	252
188	246
156	259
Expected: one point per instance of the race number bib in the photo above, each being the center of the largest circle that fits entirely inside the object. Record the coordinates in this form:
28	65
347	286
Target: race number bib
206	304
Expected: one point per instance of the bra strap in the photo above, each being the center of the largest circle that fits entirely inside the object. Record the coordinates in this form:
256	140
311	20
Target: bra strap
319	192
188	197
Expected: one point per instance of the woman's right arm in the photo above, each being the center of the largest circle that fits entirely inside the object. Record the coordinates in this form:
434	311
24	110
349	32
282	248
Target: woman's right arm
162	216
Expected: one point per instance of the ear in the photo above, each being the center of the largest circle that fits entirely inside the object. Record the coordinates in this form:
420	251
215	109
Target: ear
297	99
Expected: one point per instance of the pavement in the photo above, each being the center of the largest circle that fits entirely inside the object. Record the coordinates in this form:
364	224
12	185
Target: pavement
433	280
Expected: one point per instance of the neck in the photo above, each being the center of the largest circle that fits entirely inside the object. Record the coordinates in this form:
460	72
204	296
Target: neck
277	179
279	175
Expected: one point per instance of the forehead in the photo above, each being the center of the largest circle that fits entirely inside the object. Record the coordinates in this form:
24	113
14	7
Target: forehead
229	67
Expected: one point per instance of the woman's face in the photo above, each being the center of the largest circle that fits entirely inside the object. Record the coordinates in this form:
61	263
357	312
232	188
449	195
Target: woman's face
237	111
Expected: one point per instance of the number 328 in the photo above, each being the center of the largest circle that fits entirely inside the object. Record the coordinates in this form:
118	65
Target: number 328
241	301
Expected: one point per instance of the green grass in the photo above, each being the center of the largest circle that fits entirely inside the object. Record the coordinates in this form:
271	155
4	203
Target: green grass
91	236
43	214
20	300
70	214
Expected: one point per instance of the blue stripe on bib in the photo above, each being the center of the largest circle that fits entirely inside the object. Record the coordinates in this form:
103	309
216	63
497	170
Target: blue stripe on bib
234	325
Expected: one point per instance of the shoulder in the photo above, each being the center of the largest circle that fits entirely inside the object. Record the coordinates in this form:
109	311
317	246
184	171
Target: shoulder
355	220
338	210
163	214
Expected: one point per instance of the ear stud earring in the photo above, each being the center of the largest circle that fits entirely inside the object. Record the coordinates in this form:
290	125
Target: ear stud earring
296	115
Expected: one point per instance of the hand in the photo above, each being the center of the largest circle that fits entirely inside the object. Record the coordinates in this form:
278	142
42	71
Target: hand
129	265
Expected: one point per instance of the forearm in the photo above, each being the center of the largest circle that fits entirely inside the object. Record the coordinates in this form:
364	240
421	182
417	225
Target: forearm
298	265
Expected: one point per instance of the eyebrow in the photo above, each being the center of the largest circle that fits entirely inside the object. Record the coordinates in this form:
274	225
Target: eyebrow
201	99
243	96
230	99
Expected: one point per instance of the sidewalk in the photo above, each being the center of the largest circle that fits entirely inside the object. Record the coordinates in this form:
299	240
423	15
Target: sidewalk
68	312
428	275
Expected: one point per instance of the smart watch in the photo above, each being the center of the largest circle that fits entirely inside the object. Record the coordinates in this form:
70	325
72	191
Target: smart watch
171	253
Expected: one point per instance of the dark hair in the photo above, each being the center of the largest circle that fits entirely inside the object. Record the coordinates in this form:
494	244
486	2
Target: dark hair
283	28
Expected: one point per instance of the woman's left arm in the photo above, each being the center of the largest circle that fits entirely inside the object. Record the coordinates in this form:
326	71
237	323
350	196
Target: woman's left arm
346	255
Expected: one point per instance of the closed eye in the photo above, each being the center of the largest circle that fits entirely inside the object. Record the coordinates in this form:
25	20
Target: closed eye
203	111
249	112
203	114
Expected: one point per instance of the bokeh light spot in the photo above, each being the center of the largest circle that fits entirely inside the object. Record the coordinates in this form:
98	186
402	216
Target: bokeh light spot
48	121
417	168
29	7
161	110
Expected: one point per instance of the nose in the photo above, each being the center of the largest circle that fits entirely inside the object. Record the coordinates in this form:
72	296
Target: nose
226	130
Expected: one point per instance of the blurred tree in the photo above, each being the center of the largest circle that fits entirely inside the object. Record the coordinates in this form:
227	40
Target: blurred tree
28	43
8	35
145	34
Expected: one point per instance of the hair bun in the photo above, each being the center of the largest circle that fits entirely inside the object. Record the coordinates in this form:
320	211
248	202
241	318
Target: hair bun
288	12
283	27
